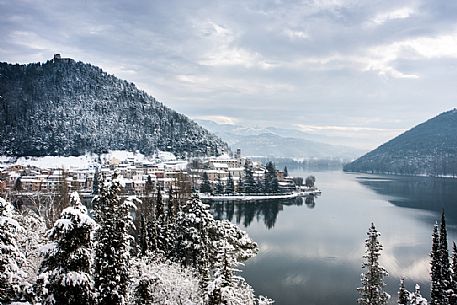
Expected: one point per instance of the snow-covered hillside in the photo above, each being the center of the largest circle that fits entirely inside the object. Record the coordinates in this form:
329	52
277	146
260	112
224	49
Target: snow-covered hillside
70	108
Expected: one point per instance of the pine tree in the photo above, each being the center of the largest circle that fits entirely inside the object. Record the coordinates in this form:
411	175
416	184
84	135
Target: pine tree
219	185
230	187
142	292
160	211
113	244
271	181
437	288
286	172
309	181
249	183
416	297
372	290
143	239
168	225
403	294
149	185
152	224
205	186
274	185
30	241
454	259
154	281
95	183
151	232
259	186
160	225
67	261
11	257
223	275
227	287
18	185
444	256
171	212
193	224
453	299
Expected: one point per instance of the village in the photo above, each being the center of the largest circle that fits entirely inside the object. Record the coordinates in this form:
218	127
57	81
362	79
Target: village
139	174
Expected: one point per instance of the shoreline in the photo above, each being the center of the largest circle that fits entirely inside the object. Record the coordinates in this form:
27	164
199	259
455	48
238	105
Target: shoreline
250	198
401	175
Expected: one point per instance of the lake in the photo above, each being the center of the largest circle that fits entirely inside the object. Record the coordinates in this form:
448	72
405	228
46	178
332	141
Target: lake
311	252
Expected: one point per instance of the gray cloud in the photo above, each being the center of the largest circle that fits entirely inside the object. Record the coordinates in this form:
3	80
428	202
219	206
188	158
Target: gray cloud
356	65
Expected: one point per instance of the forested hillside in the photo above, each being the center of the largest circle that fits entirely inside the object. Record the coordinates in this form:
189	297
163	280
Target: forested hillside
427	149
64	107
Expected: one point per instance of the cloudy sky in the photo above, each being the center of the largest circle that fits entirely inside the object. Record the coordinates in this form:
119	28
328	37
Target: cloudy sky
361	71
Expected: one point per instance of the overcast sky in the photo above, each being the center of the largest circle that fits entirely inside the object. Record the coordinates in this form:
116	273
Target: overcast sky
361	69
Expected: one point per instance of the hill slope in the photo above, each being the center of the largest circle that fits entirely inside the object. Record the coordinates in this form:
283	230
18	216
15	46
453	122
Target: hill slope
427	149
63	107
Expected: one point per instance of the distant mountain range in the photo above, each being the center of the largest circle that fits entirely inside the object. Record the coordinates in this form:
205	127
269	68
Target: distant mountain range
427	149
278	142
64	107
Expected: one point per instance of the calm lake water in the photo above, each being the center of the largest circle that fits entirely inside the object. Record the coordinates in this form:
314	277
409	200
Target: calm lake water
311	252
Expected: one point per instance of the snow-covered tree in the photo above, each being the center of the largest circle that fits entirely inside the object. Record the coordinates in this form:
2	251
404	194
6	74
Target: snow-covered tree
31	240
113	244
159	207
262	300
227	287
453	299
243	246
95	184
143	238
444	258
151	233
171	206
230	187
18	185
309	181
249	183
259	186
149	185
192	225
372	290
416	297
67	261
271	181
403	294
205	186
219	185
157	282
437	289
11	257
163	236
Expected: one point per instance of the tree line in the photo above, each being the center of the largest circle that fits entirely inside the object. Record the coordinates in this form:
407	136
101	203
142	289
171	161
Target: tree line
248	184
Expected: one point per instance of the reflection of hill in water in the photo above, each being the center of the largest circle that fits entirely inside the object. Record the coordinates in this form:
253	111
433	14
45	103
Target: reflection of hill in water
245	212
424	193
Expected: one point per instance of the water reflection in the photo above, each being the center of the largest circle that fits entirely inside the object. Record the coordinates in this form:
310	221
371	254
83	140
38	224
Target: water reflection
425	193
243	213
309	201
311	253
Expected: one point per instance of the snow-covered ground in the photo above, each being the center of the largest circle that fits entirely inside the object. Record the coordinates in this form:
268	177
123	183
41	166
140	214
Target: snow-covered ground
86	161
51	161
